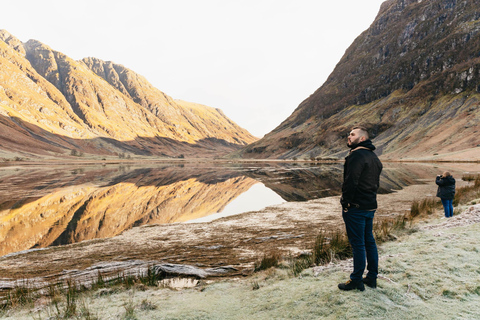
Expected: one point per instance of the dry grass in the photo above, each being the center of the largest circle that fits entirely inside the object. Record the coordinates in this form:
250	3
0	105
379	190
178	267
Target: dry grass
465	194
387	229
330	246
20	296
269	260
424	207
66	301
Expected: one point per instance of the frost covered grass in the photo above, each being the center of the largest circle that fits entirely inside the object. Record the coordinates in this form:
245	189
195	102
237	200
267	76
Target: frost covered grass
433	273
69	300
331	246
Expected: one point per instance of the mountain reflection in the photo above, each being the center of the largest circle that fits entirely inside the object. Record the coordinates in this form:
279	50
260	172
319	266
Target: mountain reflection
42	207
305	183
86	211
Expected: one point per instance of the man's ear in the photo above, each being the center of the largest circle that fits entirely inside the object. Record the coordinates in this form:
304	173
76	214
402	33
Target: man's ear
362	138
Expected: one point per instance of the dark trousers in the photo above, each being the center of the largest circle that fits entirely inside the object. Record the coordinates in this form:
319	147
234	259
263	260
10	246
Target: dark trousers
359	226
448	207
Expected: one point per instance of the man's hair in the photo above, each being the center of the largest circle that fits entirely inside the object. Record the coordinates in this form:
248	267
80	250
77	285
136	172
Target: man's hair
363	131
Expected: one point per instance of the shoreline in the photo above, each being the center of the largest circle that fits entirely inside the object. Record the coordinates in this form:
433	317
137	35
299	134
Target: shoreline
236	241
431	273
147	160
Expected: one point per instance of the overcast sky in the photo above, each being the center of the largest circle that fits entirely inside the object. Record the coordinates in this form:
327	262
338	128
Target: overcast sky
257	60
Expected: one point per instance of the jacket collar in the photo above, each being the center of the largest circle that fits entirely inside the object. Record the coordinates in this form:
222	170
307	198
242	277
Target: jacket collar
367	144
358	148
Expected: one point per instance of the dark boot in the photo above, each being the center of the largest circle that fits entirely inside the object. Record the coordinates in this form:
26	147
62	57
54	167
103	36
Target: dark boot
370	282
351	284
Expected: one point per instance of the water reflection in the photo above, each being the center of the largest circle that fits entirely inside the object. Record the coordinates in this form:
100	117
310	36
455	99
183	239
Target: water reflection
41	207
257	197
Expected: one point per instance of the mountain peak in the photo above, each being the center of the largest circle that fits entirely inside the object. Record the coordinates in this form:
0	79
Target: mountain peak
416	59
52	104
12	41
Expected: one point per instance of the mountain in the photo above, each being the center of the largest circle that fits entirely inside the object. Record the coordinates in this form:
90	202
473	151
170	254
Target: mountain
54	106
412	78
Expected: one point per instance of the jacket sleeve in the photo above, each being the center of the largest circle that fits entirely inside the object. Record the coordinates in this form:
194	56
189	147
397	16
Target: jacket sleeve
439	181
352	173
444	181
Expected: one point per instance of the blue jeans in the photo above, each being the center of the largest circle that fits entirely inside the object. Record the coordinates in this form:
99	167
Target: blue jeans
359	226
448	207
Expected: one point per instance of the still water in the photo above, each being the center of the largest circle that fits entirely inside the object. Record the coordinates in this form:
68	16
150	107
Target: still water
47	206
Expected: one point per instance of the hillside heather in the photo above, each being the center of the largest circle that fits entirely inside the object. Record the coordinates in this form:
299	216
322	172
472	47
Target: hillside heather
413	78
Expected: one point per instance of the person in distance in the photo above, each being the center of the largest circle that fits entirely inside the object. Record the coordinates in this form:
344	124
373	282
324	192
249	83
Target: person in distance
446	192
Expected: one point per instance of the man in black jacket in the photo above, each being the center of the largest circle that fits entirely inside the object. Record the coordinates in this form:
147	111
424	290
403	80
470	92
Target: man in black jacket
361	179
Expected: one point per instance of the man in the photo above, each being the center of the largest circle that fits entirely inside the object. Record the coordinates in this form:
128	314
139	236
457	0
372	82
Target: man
361	178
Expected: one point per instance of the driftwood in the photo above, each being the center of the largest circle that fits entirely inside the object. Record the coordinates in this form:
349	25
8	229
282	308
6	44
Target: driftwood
168	270
109	271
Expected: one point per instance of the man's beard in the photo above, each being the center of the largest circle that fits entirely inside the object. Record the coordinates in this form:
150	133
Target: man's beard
353	144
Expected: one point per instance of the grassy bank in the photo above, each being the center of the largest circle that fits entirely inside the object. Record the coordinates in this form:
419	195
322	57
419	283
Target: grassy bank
433	273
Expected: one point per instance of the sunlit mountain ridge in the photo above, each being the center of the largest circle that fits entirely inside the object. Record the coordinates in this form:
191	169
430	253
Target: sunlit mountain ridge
51	104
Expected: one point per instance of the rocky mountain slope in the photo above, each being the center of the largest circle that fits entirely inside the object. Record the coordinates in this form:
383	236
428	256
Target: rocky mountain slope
51	105
413	78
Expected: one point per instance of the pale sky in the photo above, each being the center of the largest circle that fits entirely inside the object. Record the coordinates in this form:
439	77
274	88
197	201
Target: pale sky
257	60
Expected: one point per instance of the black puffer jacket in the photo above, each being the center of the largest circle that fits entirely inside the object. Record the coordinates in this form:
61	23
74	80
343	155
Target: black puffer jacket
446	187
361	178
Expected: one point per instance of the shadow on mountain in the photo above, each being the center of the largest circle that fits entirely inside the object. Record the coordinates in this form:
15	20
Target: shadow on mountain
21	137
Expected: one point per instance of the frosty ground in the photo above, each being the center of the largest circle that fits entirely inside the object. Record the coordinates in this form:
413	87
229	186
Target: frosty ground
430	273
